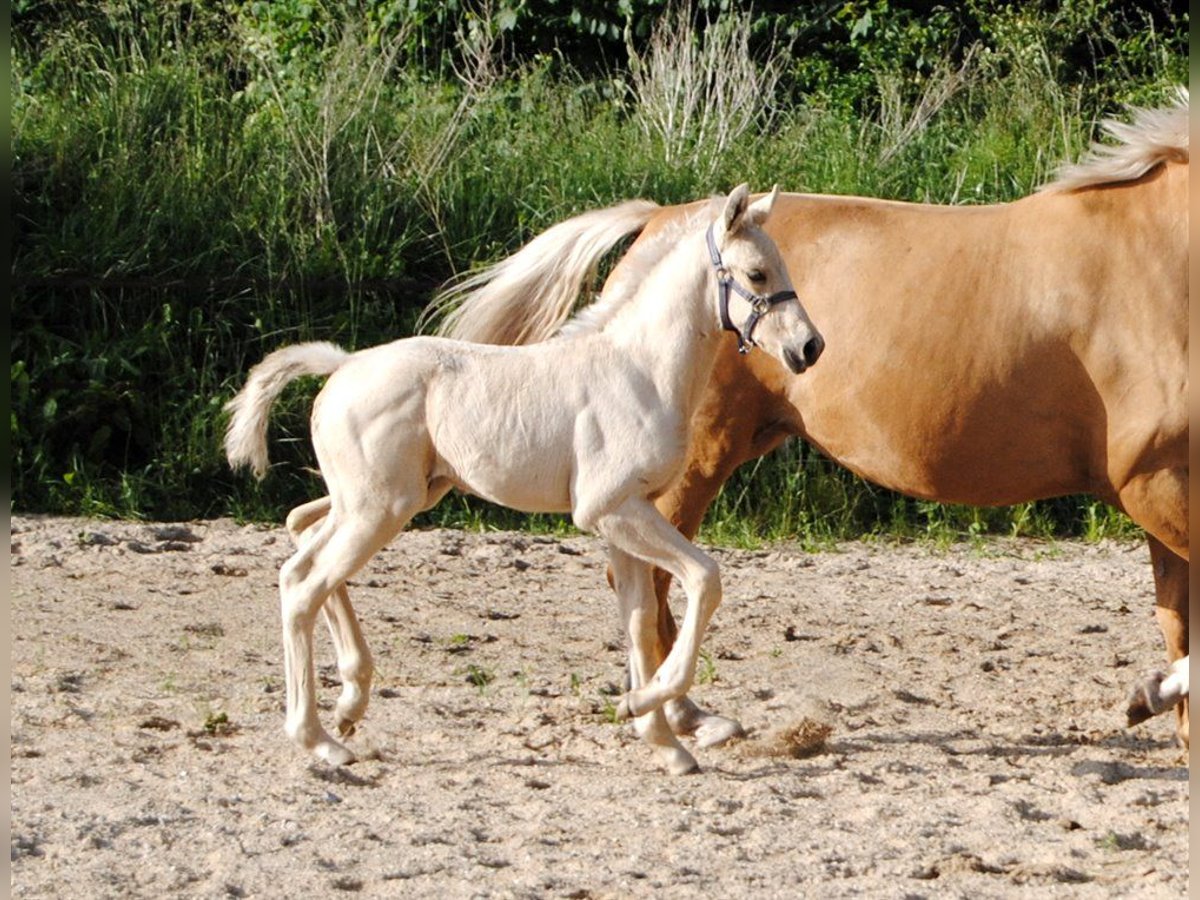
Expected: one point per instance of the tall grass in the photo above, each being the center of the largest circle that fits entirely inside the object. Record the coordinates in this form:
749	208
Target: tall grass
697	96
188	198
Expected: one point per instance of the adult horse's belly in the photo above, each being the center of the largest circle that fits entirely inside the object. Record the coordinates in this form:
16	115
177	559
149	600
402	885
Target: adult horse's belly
945	430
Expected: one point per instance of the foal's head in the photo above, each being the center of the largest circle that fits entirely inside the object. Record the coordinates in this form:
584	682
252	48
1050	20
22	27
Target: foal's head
754	289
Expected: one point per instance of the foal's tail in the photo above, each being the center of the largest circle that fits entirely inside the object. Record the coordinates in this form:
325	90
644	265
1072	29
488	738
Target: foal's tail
246	436
526	298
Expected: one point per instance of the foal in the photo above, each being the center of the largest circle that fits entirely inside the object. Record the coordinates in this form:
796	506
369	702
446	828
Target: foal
595	423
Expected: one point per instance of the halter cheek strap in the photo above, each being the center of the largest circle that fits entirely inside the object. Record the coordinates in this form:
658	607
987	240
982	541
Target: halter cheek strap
759	305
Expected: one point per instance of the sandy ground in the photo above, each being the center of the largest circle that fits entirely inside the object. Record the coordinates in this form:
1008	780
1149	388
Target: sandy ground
922	723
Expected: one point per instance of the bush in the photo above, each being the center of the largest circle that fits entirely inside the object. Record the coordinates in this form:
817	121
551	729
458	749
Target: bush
196	184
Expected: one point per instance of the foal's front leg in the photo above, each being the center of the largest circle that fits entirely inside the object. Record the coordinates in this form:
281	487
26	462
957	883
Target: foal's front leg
633	584
640	530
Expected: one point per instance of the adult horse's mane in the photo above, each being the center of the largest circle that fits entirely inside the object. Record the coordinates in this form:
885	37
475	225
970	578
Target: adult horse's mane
1153	137
639	263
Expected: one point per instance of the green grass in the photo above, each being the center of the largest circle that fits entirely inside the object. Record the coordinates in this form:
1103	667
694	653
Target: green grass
188	198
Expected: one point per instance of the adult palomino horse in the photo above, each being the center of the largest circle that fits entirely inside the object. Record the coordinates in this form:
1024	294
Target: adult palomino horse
595	423
984	355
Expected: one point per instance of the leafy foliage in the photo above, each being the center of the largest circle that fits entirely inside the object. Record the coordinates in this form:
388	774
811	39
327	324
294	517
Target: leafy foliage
195	184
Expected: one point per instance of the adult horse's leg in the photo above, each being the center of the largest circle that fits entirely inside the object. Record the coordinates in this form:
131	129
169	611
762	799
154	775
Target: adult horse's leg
1160	691
1156	497
1171	573
632	581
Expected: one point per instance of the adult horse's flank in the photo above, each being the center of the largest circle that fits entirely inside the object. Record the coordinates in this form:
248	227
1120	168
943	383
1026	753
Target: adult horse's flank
596	424
983	355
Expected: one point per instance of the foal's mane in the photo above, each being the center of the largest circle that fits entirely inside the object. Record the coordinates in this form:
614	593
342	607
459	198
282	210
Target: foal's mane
1153	137
637	264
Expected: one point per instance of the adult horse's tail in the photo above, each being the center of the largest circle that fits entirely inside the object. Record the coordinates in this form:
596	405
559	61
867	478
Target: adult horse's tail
246	436
527	297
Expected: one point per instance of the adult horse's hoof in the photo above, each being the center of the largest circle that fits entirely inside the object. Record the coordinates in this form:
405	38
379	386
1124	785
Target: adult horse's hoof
1146	700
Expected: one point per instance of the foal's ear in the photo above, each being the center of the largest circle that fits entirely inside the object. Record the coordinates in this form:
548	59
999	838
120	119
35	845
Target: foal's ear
735	208
758	211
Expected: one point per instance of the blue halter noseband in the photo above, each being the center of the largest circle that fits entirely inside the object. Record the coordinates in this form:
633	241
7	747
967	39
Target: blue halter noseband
759	305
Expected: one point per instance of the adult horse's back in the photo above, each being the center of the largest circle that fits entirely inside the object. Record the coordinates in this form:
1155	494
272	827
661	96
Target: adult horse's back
986	355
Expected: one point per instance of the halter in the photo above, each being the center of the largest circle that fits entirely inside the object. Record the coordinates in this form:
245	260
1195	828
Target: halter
759	305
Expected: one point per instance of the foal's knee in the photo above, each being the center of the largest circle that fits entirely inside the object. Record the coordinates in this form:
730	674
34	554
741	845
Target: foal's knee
705	585
291	577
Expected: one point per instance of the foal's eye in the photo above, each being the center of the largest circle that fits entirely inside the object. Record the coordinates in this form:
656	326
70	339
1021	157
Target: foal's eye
757	276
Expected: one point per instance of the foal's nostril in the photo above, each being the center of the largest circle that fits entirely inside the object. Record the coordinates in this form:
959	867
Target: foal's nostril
813	349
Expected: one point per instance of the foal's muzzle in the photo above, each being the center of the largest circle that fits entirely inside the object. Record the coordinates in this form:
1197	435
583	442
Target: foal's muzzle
808	356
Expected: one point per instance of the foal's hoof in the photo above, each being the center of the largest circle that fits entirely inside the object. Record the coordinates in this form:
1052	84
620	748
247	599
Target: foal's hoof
709	729
345	727
717	730
686	765
677	761
334	753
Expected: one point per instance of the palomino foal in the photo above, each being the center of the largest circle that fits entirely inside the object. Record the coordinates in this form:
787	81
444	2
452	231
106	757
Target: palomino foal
605	411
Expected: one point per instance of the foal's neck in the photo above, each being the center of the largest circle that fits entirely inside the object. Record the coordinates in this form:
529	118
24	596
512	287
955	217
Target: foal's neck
670	328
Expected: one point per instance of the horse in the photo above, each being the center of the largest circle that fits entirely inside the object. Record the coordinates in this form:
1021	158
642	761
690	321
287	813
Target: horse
595	423
985	355
1160	691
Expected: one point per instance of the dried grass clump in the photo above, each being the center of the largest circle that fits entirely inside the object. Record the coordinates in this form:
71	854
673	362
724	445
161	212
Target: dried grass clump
801	740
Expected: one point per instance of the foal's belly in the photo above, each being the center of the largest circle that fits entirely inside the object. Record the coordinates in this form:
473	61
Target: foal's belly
502	466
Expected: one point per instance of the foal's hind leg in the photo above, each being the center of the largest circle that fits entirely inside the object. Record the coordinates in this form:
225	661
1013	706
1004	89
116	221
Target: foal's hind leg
633	584
355	665
338	549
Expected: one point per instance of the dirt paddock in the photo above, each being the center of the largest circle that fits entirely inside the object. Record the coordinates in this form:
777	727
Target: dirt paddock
921	723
